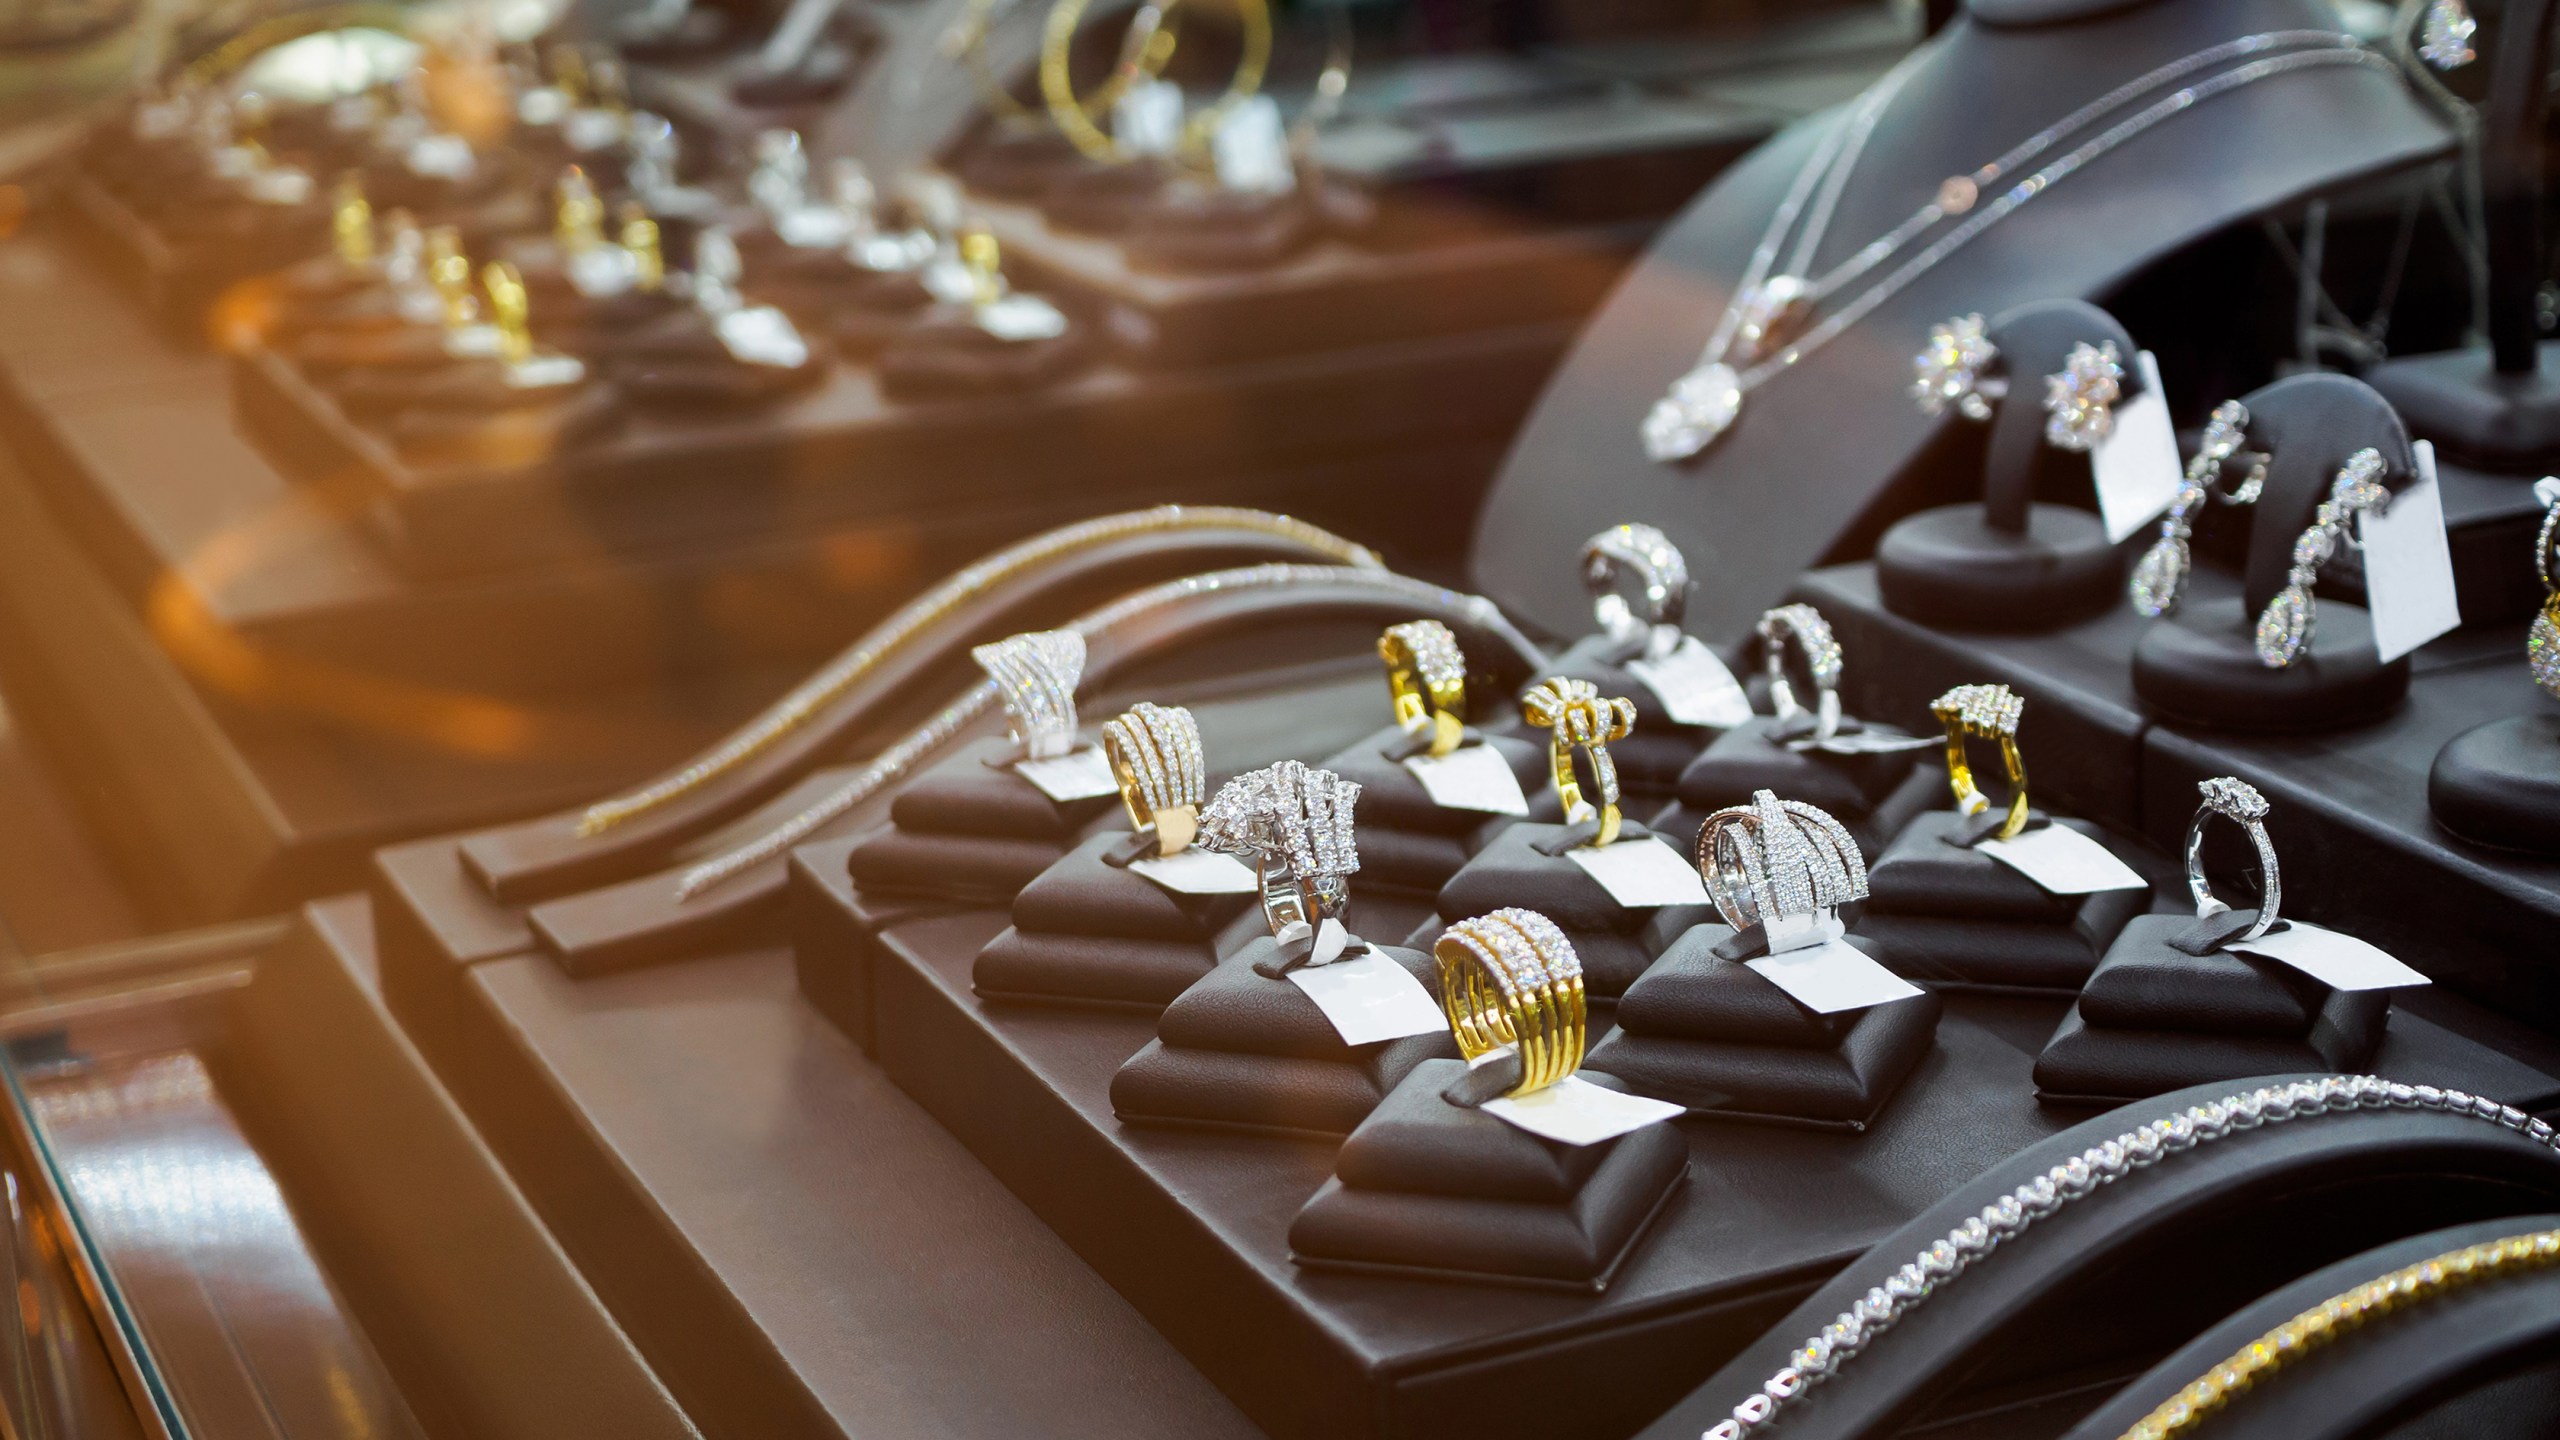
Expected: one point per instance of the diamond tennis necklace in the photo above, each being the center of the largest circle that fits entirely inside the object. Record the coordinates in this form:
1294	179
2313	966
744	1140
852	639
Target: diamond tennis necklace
1762	331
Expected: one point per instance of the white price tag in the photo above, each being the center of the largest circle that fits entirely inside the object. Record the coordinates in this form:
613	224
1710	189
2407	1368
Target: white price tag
1471	777
2408	565
2063	861
1694	686
1147	119
1076	775
1022	317
1251	149
545	372
1195	871
442	157
1573	1111
1832	977
2136	467
592	129
813	227
1641	874
763	335
1370	998
2341	962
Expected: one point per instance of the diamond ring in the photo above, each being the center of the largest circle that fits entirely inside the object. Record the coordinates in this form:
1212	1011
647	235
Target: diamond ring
1294	824
1575	713
1427	675
1778	860
1155	754
1512	978
1655	563
1989	712
2239	801
1822	662
1036	675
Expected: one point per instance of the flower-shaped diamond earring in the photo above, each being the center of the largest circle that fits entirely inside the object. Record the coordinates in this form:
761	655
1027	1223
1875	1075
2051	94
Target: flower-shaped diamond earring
1954	371
2080	400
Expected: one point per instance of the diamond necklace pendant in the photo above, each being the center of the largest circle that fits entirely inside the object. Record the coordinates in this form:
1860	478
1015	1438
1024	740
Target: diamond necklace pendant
1701	405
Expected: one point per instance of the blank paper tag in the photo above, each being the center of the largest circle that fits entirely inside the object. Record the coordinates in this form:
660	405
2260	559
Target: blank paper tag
1868	742
1471	777
1641	874
1833	977
762	335
1199	872
1694	686
2064	862
2341	962
2137	467
1147	120
1076	775
1573	1111
1251	150
2408	566
1018	318
1370	998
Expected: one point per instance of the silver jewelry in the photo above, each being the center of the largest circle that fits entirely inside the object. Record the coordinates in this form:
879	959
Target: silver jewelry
1036	675
2285	626
2005	1219
2444	36
2080	399
2160	576
1775	860
2237	801
1955	371
901	758
1294	824
2542	642
1659	570
1822	659
1703	402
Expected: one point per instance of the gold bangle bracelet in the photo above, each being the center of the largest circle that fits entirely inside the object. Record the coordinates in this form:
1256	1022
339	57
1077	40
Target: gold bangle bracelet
1427	678
1075	118
1574	714
2338	1316
1512	978
1155	754
1990	712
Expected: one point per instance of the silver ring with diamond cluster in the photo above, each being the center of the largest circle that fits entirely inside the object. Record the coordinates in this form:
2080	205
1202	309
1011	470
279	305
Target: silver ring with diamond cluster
2160	576
1036	675
1293	824
2285	626
1958	370
1660	572
2080	398
1777	859
2239	802
1812	638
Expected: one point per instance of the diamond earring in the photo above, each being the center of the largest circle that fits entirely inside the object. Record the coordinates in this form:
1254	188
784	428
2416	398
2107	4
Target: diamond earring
2444	36
2160	576
2284	627
2080	400
1954	371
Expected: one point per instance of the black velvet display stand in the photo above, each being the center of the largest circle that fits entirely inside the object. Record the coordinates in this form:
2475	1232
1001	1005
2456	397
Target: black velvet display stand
1527	866
1091	931
2499	783
944	353
1407	843
1944	913
1651	757
2475	1361
2201	665
2012	562
1874	794
1247	1050
970	829
1703	1029
2166	1008
1433	1187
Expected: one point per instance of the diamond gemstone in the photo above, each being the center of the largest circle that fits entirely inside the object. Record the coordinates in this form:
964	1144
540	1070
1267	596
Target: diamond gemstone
2542	648
2284	629
2160	577
2444	38
1701	406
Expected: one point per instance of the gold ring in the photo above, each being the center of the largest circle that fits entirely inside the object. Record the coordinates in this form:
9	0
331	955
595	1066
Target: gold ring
1075	118
1989	712
1576	715
1155	755
1427	675
1511	978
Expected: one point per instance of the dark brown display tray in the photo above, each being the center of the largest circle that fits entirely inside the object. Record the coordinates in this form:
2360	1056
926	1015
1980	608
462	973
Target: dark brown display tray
175	285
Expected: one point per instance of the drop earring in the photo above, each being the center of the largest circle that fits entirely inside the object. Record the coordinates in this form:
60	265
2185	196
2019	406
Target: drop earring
2284	627
2160	576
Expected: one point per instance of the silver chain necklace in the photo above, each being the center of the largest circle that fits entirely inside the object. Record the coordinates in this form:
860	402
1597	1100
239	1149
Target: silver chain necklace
1767	311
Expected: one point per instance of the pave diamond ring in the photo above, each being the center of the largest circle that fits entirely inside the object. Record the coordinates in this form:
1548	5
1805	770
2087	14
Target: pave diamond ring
1985	712
1427	675
1647	555
1293	823
1155	754
2080	399
1820	650
1036	675
2237	801
1576	716
1512	978
1774	860
1958	370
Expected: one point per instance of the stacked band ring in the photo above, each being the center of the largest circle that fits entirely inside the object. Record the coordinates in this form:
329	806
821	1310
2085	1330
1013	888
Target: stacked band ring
1511	978
2237	801
1293	824
1576	715
1778	859
1427	675
1648	556
1155	754
1812	638
1985	712
1036	675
